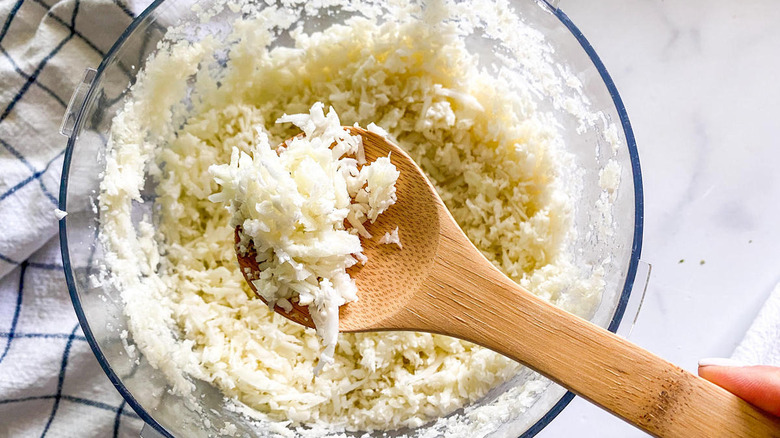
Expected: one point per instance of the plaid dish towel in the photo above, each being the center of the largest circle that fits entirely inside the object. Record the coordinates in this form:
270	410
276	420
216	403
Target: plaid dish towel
50	382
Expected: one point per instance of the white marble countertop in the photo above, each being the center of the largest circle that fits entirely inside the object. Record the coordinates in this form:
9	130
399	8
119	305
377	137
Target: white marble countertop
699	80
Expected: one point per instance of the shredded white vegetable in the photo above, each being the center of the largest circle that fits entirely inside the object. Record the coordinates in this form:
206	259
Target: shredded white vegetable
492	153
391	237
291	204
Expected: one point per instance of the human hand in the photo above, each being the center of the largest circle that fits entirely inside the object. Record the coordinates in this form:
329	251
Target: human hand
758	385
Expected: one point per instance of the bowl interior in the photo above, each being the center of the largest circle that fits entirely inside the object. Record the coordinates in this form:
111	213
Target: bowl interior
100	308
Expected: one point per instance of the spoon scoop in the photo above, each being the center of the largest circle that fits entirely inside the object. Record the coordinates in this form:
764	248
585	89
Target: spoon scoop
440	283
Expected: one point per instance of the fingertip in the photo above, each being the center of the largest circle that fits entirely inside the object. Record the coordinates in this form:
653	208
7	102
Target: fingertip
758	385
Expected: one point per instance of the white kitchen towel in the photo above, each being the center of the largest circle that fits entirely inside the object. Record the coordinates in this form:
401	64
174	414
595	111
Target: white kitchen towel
50	382
761	344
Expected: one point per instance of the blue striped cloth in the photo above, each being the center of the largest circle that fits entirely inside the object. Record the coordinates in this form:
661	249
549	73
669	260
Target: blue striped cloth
50	383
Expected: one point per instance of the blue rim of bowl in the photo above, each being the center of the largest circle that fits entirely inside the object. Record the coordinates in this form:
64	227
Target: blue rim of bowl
636	249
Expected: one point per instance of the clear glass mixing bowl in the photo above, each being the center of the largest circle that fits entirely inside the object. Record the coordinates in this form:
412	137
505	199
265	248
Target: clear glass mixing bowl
100	308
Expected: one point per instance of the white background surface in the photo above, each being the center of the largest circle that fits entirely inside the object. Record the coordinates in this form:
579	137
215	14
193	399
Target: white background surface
701	83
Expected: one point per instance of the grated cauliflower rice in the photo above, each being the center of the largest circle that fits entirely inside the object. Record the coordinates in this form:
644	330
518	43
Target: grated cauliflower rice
490	155
291	205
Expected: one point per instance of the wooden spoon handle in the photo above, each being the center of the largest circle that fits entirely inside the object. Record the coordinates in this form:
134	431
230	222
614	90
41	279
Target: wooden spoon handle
484	306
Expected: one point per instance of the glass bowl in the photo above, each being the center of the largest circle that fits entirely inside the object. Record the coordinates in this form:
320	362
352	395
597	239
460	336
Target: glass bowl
99	306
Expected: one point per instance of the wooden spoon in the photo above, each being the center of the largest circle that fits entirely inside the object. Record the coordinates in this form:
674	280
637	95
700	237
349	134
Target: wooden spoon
440	283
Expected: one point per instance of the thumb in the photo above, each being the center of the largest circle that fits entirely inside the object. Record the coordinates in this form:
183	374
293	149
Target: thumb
758	385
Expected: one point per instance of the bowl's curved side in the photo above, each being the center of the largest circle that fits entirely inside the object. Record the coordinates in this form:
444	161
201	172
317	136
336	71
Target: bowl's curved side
636	248
146	16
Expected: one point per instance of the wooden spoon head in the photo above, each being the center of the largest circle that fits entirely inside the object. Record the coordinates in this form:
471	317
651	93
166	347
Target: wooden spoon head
387	282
